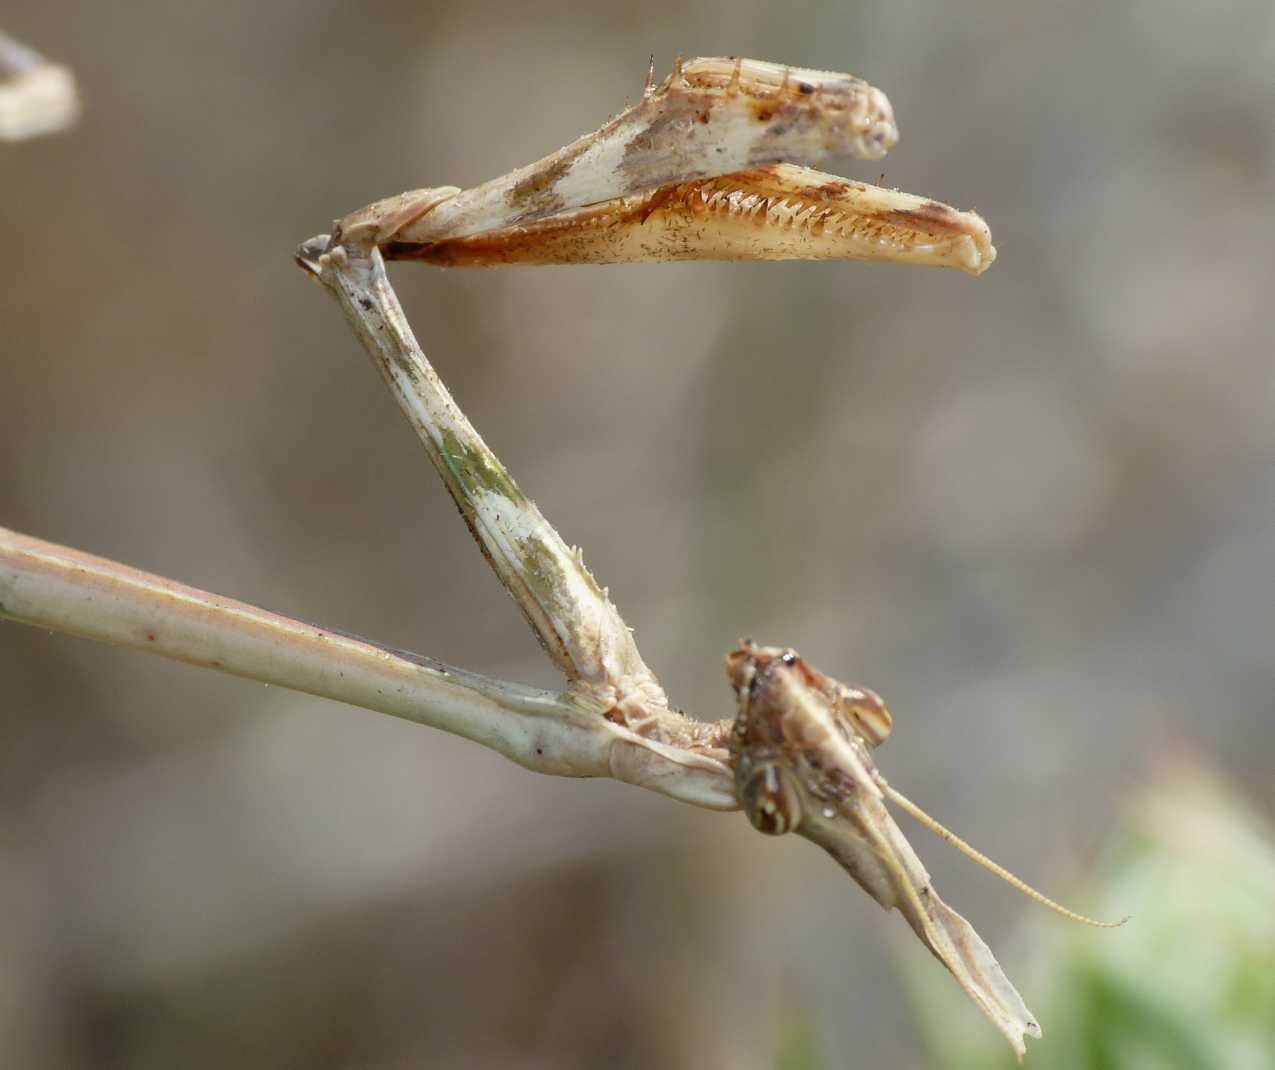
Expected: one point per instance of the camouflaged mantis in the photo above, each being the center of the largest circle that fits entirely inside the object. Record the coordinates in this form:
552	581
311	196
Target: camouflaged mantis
709	164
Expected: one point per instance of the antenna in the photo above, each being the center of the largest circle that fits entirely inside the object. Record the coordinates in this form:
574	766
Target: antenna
948	836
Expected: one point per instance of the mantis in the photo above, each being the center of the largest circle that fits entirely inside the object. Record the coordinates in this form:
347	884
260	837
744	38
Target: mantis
714	162
801	748
709	164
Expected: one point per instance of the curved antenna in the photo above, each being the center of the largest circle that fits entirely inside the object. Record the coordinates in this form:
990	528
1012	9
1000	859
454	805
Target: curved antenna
948	836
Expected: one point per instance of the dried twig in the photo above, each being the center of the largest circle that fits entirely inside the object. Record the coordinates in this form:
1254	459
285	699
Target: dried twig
36	97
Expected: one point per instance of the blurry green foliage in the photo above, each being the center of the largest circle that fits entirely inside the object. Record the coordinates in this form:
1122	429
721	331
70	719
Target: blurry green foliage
1188	984
797	1046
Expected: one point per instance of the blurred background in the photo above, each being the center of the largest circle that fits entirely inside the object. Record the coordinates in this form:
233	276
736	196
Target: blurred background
1034	510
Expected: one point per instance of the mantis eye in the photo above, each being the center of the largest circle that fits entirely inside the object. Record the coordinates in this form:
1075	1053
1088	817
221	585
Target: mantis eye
867	713
771	800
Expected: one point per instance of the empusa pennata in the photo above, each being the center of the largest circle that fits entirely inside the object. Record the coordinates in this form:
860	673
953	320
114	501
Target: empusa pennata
801	747
711	164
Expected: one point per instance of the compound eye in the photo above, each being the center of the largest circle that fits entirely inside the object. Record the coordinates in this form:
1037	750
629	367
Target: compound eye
868	714
771	800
